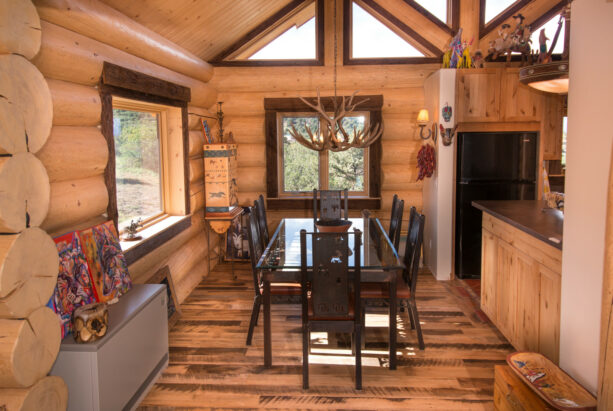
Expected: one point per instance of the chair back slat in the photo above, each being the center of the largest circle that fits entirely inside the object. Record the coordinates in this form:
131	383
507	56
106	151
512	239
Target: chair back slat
396	221
333	204
255	247
330	278
412	251
260	213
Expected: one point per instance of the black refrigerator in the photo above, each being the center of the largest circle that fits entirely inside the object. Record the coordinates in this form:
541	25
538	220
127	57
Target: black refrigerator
490	166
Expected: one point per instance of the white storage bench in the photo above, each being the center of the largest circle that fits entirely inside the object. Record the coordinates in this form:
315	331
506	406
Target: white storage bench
114	372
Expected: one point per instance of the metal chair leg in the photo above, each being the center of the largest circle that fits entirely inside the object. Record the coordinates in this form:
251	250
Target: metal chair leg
358	358
306	337
255	311
420	337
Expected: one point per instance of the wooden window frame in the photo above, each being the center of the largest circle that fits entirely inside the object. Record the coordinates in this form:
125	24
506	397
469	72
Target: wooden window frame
220	59
127	84
348	60
324	158
272	107
453	15
486	28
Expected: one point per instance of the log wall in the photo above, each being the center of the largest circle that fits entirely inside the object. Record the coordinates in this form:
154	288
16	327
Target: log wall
243	91
76	152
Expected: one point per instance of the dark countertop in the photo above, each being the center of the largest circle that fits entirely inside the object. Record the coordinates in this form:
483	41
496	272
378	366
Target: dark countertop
530	216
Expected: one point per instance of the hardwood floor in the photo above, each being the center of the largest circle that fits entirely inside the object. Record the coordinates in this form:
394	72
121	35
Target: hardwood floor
211	367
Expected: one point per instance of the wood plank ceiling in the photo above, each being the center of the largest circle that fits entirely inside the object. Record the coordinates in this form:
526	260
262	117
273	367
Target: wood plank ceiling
205	28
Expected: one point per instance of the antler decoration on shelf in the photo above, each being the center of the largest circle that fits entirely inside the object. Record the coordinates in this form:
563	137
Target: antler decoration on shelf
333	135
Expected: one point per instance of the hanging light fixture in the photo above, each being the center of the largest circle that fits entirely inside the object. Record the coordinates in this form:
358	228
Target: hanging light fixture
548	76
332	134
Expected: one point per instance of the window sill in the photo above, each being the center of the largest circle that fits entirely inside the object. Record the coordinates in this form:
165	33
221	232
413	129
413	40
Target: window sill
306	203
154	236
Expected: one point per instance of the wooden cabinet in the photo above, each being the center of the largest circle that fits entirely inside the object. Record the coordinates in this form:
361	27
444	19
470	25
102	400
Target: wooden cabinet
551	126
518	102
520	290
478	95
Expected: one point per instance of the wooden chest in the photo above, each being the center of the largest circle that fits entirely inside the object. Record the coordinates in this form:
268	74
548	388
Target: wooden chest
220	179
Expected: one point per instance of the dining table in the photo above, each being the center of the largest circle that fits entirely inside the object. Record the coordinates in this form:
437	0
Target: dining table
280	263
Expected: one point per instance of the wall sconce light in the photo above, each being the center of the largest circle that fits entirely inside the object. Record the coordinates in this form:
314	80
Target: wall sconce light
422	121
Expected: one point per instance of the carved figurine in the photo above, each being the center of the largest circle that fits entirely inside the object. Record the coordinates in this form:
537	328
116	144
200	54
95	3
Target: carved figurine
543	55
458	54
478	59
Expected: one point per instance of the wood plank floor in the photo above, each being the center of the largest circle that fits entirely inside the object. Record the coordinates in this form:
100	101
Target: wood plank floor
212	368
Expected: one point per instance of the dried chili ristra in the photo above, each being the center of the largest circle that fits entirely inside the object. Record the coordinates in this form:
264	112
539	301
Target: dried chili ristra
426	161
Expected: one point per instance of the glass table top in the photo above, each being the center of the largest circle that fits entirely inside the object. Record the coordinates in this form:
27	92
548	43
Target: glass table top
283	251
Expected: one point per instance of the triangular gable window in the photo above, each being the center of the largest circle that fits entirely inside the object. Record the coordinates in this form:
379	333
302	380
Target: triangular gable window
438	8
294	34
493	8
298	42
373	39
550	31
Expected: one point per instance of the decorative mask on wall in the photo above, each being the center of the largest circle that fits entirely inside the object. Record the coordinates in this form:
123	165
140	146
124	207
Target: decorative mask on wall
447	112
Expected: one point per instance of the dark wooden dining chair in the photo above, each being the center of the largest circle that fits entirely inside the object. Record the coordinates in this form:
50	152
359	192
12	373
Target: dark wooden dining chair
333	204
406	283
255	252
396	221
332	305
260	212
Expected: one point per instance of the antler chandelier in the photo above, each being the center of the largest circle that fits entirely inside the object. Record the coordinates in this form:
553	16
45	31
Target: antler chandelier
332	134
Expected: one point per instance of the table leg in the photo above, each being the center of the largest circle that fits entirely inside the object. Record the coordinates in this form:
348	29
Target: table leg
267	330
207	232
392	326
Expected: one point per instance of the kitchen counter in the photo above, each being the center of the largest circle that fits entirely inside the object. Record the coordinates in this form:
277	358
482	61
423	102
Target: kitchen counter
530	216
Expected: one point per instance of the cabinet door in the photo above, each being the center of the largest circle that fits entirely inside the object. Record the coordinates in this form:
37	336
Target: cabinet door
478	97
551	127
549	332
488	274
528	295
518	102
506	290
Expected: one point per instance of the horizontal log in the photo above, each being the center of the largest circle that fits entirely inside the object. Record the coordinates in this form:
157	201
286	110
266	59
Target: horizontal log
24	185
196	170
27	108
246	198
197	113
192	252
247	129
381	77
251	178
400	153
49	393
400	128
101	22
19	28
196	141
196	188
194	276
28	272
29	348
66	145
395	177
411	198
68	56
395	100
142	269
196	201
251	155
75	201
74	104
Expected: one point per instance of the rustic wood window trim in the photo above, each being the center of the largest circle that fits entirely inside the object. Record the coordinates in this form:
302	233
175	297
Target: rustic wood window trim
348	60
485	29
272	106
220	61
121	82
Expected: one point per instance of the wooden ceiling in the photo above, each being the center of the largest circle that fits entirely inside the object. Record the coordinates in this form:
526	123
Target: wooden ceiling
203	27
